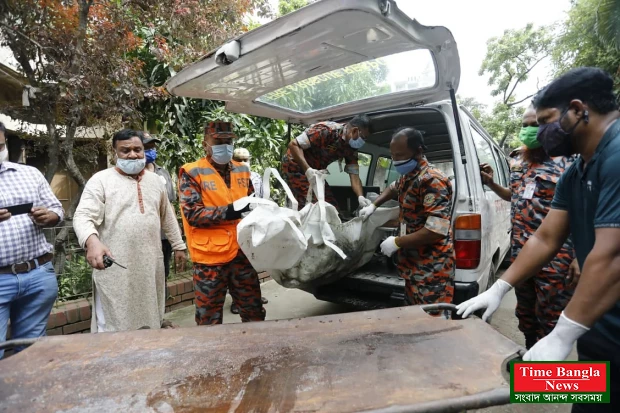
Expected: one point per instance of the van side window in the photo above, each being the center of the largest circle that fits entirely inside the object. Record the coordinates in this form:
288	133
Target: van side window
503	167
382	173
485	155
337	178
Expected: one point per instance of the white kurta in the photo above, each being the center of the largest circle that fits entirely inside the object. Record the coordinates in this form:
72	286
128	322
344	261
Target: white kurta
130	227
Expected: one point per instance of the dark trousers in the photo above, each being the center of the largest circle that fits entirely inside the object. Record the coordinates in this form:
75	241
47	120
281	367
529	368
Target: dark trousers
166	247
592	346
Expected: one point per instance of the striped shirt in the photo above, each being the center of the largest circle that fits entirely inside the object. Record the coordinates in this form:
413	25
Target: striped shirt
20	239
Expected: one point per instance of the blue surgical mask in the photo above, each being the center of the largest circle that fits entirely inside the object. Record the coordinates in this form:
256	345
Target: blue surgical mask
222	154
404	167
131	166
358	143
150	155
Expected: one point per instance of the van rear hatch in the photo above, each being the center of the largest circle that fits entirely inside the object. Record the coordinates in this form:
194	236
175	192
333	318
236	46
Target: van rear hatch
330	58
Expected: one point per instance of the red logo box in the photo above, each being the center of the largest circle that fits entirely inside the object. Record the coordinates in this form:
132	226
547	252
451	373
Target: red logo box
563	377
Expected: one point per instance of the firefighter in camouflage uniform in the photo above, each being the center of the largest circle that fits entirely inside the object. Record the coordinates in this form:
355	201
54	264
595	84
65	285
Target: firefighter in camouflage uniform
424	248
533	176
207	190
317	147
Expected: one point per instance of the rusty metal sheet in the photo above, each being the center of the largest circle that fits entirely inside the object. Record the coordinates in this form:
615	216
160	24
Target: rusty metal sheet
393	360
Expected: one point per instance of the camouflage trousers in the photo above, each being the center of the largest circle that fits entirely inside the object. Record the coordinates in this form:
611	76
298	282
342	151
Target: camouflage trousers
211	283
540	301
429	288
300	185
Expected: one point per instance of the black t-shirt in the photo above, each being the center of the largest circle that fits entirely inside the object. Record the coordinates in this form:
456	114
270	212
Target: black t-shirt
591	196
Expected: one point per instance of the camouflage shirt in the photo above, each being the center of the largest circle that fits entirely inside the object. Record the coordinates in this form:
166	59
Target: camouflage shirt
532	188
425	198
197	215
322	144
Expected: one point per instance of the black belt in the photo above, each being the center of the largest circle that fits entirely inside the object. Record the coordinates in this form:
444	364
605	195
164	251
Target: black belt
23	267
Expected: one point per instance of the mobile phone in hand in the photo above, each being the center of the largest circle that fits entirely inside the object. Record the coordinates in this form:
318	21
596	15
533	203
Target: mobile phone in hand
19	209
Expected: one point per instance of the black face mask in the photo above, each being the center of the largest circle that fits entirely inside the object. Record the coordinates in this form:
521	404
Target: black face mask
555	140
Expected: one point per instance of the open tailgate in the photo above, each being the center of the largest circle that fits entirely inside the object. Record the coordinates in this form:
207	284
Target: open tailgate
398	359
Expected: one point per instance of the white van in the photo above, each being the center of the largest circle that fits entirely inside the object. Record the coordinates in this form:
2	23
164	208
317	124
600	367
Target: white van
336	58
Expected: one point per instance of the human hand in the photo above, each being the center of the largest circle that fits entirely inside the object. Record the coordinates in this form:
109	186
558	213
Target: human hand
4	215
486	173
95	250
367	211
363	201
558	344
311	173
574	272
43	217
490	299
180	258
389	247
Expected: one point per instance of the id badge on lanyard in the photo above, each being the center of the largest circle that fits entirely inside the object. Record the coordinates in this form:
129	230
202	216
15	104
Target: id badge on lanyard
529	191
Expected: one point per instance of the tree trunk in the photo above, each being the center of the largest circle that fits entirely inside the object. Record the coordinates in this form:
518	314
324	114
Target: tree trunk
53	149
503	140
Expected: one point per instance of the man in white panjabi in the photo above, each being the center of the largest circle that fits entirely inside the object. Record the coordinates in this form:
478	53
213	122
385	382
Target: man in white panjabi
121	213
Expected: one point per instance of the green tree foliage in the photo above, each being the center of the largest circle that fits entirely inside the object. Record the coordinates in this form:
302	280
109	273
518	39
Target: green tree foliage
580	45
477	109
608	22
287	6
363	80
509	62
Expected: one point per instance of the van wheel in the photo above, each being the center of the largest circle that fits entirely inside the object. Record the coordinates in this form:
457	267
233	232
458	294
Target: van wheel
491	280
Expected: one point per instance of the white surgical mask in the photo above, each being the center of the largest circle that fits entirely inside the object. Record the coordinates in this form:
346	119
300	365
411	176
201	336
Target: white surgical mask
4	155
131	166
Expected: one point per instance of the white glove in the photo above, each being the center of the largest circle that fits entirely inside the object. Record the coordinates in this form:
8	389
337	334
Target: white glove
367	211
310	173
364	202
559	343
490	299
389	247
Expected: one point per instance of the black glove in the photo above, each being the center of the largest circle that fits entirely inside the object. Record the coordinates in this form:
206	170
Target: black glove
232	215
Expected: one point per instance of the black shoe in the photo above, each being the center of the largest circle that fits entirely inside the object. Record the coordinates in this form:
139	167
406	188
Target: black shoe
234	309
264	300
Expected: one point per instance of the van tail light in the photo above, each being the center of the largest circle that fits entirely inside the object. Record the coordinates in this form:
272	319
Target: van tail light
467	244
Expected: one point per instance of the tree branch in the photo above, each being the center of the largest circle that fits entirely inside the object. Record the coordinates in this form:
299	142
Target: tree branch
520	78
522	100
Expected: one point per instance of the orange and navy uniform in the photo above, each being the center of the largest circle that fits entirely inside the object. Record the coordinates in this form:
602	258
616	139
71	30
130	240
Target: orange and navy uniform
218	264
541	299
425	198
322	144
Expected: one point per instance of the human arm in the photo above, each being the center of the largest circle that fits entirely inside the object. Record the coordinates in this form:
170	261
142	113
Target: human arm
597	292
87	218
599	286
195	212
486	173
437	204
170	227
391	192
298	154
356	185
50	212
